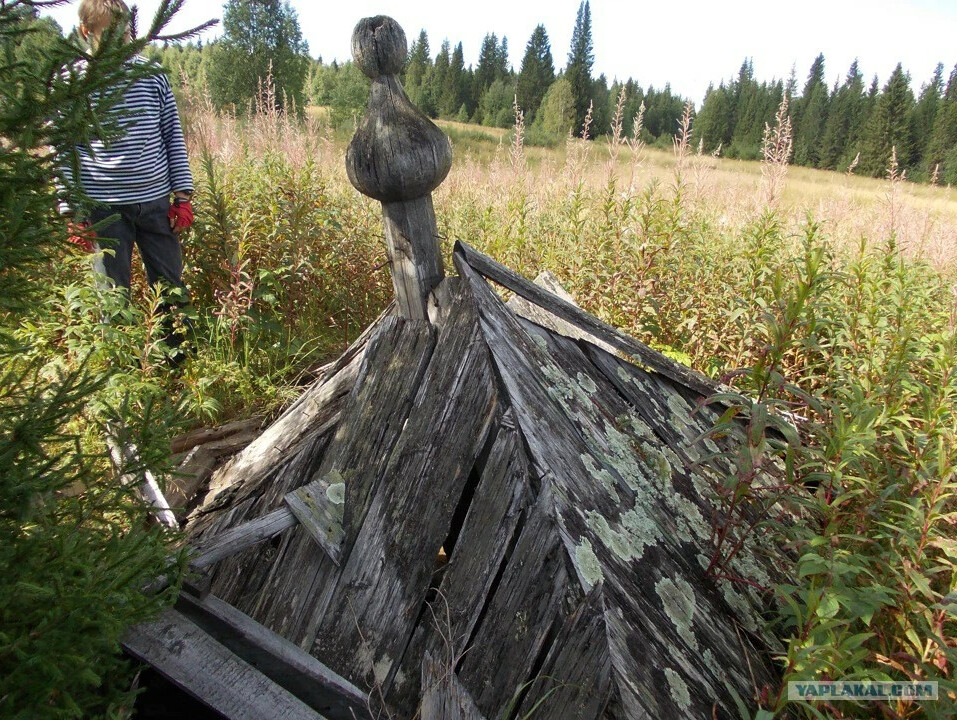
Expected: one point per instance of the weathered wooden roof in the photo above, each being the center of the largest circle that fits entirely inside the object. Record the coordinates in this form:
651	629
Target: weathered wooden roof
563	484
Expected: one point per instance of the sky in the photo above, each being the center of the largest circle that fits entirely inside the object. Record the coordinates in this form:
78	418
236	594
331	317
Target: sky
688	44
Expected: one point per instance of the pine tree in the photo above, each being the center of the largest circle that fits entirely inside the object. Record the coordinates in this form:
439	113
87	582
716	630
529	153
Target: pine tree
581	59
258	39
537	73
889	126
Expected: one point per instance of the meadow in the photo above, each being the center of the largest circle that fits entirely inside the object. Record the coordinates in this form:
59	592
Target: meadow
828	297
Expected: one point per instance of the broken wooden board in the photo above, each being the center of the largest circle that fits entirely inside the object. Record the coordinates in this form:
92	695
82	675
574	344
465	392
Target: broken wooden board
192	660
540	316
508	278
364	631
319	508
275	657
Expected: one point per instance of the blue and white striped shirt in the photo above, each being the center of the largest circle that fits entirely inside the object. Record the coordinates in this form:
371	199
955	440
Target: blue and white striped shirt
146	163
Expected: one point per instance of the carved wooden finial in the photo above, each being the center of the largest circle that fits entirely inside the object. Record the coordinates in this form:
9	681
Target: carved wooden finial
398	156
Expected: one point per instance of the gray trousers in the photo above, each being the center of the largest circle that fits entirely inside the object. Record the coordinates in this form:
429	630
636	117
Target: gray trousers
145	225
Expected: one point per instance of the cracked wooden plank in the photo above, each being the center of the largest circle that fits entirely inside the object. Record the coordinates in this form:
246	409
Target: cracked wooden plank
375	414
443	697
575	679
518	621
540	316
475	561
192	660
371	617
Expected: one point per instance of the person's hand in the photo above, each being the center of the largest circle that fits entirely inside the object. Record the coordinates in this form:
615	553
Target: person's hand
81	235
180	215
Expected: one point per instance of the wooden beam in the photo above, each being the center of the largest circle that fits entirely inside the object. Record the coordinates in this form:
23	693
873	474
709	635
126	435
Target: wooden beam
219	547
508	278
192	660
275	657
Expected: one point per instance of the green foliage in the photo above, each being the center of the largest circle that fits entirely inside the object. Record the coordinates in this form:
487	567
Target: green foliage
496	109
556	117
348	96
260	39
75	551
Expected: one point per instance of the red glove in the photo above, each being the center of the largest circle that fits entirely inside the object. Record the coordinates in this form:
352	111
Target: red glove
81	235
180	215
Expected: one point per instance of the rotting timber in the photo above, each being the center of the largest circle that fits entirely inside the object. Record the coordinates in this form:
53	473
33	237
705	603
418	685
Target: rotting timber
561	481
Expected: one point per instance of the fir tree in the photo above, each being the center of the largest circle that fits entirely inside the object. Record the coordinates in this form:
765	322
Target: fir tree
581	59
715	119
844	121
925	113
810	116
75	548
889	126
537	73
943	142
453	89
488	68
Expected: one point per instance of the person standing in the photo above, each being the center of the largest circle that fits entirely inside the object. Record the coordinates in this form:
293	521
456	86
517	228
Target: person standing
131	177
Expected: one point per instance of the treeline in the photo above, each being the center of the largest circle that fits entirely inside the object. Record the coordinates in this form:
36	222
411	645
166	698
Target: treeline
849	123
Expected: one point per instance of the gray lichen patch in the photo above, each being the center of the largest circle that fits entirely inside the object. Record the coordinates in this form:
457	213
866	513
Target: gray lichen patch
678	688
660	464
586	562
678	600
586	383
691	523
336	493
601	475
637	532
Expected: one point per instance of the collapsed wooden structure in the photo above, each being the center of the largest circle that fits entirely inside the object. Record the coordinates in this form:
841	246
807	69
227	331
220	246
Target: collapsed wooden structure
481	510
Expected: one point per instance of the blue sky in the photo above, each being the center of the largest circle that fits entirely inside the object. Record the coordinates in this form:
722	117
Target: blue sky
688	44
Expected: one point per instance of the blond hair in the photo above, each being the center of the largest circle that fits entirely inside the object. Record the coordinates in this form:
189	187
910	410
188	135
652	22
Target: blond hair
98	15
